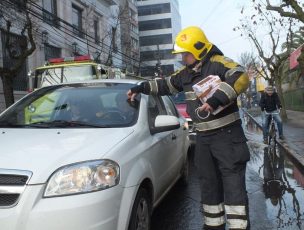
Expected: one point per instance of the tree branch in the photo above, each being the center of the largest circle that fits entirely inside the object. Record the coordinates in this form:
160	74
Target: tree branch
299	13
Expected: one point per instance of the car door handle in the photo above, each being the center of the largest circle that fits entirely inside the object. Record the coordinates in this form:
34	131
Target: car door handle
173	137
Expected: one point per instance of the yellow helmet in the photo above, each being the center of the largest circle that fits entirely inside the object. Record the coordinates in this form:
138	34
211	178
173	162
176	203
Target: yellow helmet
193	40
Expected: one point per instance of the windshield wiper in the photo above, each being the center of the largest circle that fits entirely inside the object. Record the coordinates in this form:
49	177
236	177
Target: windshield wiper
64	123
11	125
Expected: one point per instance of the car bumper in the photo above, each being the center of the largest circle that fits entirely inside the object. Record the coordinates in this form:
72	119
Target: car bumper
95	210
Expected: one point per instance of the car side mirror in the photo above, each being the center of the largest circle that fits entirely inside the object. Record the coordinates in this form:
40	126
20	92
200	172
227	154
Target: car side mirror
165	123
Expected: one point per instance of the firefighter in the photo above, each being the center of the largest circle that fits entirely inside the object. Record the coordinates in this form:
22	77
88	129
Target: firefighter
221	150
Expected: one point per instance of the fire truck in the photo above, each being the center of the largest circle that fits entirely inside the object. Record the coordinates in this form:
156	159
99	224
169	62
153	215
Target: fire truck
70	69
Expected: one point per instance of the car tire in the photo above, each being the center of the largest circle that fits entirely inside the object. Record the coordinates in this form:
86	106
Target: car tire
184	179
141	212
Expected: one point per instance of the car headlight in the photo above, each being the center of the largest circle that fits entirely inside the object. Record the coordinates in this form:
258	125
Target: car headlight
83	177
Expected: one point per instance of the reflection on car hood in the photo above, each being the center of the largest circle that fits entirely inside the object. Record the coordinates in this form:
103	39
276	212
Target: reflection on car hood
182	110
42	151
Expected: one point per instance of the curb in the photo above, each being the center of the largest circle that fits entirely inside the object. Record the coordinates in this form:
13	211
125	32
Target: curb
292	153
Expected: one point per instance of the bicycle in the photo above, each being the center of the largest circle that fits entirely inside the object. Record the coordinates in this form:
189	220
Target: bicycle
272	136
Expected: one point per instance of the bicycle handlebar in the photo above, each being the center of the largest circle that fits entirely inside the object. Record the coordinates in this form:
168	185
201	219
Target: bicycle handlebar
271	113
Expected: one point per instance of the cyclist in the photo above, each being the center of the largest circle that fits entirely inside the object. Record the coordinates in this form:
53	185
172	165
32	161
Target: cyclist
270	104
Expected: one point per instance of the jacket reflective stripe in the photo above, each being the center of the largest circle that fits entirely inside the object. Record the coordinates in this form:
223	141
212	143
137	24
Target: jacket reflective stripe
228	90
153	87
217	221
232	71
217	123
213	209
237	223
172	89
190	96
235	210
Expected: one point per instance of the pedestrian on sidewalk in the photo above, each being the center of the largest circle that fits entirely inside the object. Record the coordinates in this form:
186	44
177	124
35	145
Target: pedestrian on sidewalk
221	149
270	105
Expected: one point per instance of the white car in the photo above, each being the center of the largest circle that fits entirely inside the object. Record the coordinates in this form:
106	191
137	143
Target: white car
81	156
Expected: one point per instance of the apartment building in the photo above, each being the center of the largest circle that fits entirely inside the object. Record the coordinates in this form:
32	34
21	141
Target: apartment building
62	29
159	22
129	36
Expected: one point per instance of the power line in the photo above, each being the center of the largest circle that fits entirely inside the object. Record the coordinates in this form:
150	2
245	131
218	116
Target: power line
87	35
211	12
70	28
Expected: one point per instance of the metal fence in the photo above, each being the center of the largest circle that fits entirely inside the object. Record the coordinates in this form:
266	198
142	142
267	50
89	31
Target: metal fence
294	100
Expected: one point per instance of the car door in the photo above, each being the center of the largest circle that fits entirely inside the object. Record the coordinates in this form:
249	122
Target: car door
161	147
177	150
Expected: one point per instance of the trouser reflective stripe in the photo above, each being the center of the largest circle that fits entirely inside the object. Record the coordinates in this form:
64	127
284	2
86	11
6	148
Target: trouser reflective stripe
235	209
214	221
213	209
236	216
214	215
237	223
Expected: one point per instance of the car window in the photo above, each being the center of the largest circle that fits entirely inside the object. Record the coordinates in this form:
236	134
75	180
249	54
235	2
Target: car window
169	106
178	98
154	109
104	105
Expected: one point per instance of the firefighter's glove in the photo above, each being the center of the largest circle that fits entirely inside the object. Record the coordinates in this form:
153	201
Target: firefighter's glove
134	91
137	89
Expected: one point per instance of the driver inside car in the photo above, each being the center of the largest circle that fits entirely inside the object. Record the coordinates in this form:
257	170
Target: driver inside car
123	110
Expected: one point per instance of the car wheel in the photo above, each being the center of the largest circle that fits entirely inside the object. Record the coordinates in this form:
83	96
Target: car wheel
141	211
185	172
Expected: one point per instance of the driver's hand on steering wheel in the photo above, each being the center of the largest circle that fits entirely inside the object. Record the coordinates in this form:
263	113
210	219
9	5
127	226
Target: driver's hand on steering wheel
100	114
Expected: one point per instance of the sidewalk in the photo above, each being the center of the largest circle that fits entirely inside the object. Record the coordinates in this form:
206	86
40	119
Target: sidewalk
293	131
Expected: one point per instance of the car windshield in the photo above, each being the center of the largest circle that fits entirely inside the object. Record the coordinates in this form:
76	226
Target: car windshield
75	105
179	98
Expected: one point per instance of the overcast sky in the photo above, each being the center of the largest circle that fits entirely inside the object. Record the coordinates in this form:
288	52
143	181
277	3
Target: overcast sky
217	18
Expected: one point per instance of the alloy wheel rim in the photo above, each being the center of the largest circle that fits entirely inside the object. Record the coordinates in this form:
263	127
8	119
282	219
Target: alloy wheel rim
142	215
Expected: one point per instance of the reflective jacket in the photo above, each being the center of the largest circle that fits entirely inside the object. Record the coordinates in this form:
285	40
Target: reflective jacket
234	81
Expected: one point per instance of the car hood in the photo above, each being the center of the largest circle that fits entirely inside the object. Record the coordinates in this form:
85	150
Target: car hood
42	151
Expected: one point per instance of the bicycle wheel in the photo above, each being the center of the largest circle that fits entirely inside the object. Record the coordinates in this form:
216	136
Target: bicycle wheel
272	142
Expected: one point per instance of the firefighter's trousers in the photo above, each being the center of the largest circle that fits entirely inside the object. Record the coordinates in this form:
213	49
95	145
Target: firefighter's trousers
220	159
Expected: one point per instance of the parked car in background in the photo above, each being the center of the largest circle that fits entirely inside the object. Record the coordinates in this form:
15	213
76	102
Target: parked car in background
82	156
180	103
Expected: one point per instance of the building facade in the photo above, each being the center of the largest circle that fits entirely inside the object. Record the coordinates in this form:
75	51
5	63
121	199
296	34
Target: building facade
159	22
70	28
129	36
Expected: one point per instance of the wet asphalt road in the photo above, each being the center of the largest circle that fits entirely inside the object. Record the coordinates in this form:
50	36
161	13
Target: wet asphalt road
280	205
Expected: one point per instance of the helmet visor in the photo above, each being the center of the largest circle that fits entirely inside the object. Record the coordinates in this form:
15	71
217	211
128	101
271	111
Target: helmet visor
177	49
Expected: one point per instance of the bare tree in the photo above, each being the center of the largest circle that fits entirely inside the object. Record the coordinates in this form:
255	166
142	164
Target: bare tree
291	9
288	8
17	49
270	56
248	60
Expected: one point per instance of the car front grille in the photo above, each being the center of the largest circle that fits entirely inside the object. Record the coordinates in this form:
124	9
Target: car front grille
12	185
13	179
8	199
